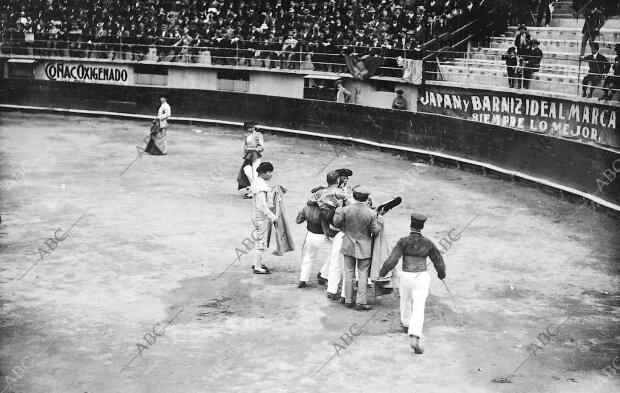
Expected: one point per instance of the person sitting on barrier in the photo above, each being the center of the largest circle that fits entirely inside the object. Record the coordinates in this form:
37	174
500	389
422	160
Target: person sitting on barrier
599	66
399	102
511	66
612	82
532	63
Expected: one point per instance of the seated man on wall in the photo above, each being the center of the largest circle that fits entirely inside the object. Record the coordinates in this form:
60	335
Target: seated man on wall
599	66
399	102
612	82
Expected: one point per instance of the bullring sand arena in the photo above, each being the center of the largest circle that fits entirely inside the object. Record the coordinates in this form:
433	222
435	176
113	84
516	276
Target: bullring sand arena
534	278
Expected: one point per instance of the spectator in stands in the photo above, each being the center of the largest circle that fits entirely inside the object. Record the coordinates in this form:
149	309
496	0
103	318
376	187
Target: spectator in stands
342	95
399	102
598	66
592	24
612	82
532	63
523	40
511	66
545	8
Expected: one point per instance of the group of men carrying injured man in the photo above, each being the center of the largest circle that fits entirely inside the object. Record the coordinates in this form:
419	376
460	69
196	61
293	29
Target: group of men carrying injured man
344	235
341	227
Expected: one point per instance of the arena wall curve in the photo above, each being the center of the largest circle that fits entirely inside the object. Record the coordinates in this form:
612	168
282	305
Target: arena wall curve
586	170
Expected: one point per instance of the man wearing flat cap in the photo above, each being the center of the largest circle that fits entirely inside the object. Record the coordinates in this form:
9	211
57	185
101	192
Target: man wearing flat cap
399	102
415	279
358	223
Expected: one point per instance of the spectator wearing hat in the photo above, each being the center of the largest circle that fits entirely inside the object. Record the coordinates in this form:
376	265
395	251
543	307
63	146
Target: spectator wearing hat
414	279
598	67
511	66
532	63
523	40
592	24
262	216
612	82
399	102
359	223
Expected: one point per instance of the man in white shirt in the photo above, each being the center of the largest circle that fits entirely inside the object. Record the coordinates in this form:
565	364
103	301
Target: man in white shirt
262	216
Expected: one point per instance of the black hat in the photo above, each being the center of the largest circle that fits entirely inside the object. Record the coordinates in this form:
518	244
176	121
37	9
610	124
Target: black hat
360	193
535	42
332	177
249	124
399	91
418	220
522	27
344	172
264	167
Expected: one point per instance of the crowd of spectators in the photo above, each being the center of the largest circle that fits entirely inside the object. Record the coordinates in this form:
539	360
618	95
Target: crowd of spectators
268	33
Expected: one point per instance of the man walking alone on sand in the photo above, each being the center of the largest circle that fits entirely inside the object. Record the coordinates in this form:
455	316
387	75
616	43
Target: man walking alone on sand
414	279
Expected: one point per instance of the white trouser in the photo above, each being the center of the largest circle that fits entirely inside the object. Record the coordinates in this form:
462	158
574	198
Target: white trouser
413	293
336	264
250	171
317	249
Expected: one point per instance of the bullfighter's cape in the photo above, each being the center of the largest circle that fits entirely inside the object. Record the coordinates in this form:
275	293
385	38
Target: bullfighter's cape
282	233
381	252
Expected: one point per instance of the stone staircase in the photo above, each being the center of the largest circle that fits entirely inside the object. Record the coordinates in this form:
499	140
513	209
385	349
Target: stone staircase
561	71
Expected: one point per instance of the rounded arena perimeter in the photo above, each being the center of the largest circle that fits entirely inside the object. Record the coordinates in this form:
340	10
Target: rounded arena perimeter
533	277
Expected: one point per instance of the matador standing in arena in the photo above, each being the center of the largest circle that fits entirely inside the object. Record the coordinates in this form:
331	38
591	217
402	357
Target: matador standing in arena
252	152
163	114
262	216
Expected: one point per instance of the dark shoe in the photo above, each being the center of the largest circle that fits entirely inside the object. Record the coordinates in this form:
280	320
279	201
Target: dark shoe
590	95
584	94
266	268
246	196
302	284
320	279
332	296
342	300
349	305
260	271
415	345
363	307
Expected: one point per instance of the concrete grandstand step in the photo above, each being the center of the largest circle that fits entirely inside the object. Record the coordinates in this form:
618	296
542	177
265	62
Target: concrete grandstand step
551	68
556	21
561	33
550	45
494	77
548	57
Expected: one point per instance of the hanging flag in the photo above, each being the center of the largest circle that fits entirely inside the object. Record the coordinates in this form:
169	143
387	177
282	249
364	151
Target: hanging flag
362	67
413	71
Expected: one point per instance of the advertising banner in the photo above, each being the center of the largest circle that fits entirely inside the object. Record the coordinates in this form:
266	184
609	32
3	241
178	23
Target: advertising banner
587	122
85	72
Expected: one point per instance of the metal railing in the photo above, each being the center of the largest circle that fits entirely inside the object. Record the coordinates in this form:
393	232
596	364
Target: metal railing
303	57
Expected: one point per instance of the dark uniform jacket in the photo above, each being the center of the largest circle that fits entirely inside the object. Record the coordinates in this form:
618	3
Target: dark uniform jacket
414	249
311	214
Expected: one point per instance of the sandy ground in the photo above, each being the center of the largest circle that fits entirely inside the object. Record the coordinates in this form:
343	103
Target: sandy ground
151	246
